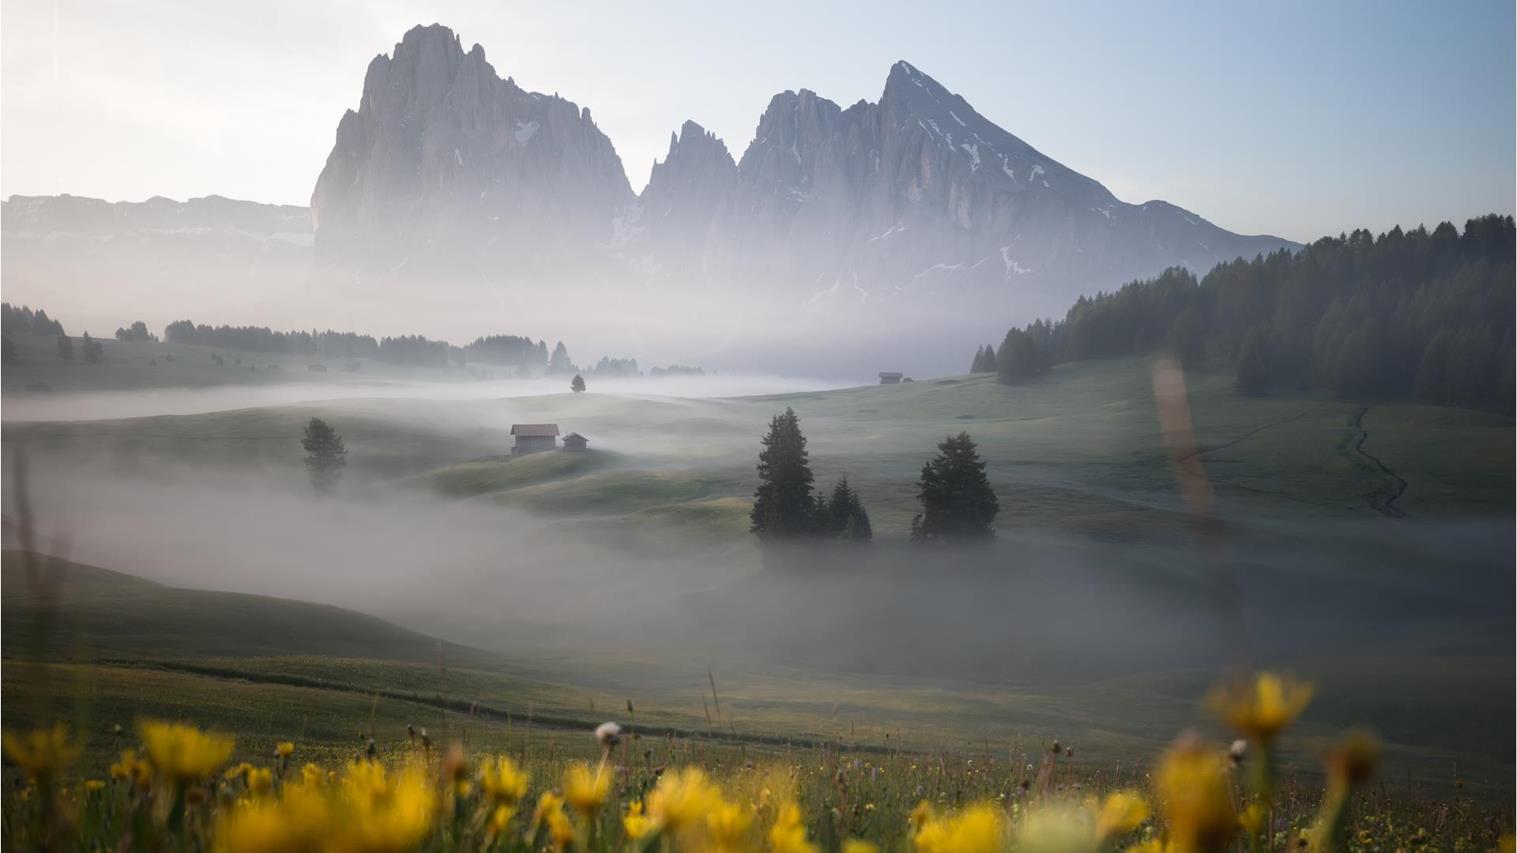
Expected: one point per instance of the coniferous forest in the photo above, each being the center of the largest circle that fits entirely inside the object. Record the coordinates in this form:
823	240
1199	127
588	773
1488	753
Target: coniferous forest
1411	315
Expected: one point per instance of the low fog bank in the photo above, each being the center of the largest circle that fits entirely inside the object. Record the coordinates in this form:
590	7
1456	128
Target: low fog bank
82	406
1026	607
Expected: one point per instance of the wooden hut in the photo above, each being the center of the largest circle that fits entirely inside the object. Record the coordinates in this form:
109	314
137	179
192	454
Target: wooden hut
534	438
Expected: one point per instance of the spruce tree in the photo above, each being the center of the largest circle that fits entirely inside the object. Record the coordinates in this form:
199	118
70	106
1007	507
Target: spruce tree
846	518
958	504
577	385
325	454
783	506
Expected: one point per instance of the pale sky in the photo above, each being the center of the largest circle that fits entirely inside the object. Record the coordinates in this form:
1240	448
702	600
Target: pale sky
1292	118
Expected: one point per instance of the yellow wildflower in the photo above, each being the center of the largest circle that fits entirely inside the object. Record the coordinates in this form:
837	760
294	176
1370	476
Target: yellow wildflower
920	814
260	781
283	749
585	790
548	803
858	845
1121	813
1253	817
312	775
41	753
637	824
234	773
559	829
1262	708
93	785
728	825
500	817
788	835
300	820
132	769
502	781
682	798
1193	781
387	811
184	753
978	829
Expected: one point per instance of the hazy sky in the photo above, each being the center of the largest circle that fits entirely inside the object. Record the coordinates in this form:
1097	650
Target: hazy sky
1293	118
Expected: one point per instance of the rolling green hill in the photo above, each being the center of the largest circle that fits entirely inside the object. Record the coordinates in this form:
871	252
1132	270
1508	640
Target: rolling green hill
56	609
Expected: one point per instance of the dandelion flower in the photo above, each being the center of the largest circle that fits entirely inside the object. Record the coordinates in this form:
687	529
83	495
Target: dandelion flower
560	830
637	824
1261	709
182	752
284	749
500	817
260	781
132	769
502	781
788	835
1121	813
858	845
682	798
728	824
585	790
978	829
1193	780
312	774
41	753
386	811
93	785
608	734
546	804
301	820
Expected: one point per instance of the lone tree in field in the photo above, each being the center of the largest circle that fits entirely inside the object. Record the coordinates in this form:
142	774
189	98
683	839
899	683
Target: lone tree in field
845	516
783	507
325	454
958	504
578	384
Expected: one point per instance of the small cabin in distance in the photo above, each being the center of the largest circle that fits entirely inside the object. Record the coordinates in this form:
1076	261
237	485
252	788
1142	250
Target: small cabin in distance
890	378
534	438
576	443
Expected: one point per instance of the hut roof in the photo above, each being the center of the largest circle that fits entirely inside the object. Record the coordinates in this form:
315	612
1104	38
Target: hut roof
575	435
534	430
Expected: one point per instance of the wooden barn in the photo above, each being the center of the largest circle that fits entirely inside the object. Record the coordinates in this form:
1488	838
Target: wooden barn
576	443
534	438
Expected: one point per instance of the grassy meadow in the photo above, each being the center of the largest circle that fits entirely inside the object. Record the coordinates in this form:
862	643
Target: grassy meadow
621	584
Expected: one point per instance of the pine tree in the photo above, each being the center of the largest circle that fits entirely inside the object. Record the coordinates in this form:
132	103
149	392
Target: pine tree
325	454
846	518
559	362
9	349
783	506
93	350
958	504
577	385
65	348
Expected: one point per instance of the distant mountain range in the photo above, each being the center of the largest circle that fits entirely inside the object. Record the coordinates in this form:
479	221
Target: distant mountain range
444	167
916	190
